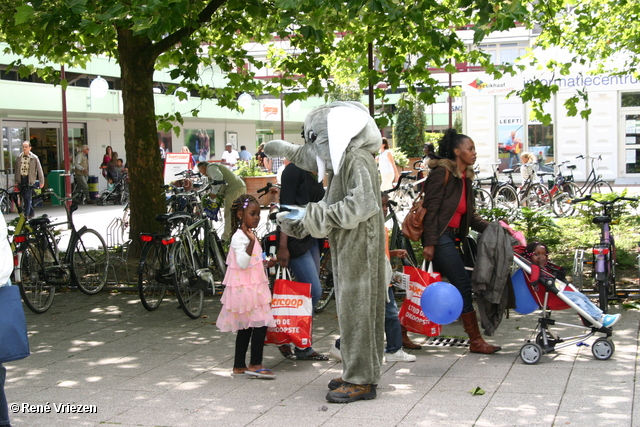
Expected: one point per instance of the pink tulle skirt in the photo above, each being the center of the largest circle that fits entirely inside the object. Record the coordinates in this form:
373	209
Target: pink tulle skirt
244	304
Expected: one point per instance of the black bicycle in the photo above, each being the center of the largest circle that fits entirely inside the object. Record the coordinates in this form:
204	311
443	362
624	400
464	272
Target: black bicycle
43	265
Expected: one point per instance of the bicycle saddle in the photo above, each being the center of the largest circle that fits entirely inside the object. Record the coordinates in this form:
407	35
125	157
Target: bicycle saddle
601	220
41	220
173	216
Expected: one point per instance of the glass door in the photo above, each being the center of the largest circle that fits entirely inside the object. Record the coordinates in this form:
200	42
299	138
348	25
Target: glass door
44	139
13	134
632	143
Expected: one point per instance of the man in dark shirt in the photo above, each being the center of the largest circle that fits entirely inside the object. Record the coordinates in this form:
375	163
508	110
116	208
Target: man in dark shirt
302	256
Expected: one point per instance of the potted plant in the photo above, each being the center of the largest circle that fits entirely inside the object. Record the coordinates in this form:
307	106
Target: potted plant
255	178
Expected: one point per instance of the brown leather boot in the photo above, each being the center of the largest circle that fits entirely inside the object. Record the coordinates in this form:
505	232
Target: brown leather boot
406	341
477	345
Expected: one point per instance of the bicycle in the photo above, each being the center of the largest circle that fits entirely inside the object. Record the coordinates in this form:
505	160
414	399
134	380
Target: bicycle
154	270
482	196
594	182
42	266
326	277
531	194
560	190
403	193
604	253
5	201
503	193
22	222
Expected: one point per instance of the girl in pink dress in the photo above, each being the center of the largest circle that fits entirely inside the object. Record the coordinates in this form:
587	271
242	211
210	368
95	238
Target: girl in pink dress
246	301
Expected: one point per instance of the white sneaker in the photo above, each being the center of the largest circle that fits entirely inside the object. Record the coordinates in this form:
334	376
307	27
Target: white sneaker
335	352
400	356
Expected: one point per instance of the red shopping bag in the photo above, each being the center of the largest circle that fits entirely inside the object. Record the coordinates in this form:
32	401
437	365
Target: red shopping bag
291	308
411	315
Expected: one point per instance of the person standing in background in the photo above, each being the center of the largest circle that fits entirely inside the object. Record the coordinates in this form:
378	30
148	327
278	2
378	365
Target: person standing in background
244	154
230	156
387	166
28	171
81	169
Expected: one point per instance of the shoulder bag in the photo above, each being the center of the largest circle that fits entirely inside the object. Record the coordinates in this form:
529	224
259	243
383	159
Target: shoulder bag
14	343
413	223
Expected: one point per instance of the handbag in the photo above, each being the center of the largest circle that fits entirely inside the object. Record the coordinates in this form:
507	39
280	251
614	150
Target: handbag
411	315
14	342
291	308
413	224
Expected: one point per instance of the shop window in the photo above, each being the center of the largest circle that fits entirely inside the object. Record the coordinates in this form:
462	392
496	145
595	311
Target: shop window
631	99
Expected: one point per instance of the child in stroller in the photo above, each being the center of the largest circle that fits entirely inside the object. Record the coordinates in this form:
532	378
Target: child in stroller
547	285
117	191
538	254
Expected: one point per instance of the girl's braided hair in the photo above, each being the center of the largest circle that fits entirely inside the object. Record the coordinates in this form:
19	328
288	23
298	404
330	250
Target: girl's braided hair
239	205
450	141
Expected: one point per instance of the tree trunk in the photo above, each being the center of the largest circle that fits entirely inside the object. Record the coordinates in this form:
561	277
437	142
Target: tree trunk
140	134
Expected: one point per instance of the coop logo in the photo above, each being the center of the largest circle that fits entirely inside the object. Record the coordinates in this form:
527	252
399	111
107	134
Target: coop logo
287	301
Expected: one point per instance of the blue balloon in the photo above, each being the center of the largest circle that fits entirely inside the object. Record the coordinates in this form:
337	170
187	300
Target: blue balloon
441	302
525	303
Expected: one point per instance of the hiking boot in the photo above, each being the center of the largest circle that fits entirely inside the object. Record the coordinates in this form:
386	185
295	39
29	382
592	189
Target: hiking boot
348	393
335	383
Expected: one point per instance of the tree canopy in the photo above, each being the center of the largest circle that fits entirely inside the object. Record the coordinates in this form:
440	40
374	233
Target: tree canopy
410	40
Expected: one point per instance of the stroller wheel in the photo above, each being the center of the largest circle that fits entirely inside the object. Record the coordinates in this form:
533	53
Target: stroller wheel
551	342
530	353
603	348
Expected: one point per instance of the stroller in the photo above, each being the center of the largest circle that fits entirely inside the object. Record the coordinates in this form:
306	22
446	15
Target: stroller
116	193
547	293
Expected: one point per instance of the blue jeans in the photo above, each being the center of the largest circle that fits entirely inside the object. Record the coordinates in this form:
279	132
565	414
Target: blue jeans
306	269
448	262
27	191
392	328
584	303
4	409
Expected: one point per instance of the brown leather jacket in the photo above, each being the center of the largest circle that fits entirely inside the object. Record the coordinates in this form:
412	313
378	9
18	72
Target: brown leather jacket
441	202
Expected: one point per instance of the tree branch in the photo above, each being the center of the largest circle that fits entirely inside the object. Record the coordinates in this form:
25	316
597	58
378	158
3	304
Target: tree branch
175	37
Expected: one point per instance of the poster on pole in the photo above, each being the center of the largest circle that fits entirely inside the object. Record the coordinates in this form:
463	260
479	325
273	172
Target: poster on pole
175	163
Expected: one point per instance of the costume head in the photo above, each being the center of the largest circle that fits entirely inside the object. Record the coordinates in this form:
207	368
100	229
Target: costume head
329	132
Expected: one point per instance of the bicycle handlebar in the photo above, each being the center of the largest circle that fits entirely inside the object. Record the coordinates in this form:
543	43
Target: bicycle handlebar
602	202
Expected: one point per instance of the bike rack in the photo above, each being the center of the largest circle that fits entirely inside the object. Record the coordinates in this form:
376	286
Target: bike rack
118	249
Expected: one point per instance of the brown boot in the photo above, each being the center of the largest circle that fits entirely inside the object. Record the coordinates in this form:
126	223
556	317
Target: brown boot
477	344
348	393
406	341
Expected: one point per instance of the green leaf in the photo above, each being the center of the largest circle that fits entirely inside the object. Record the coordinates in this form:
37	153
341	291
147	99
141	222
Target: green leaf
477	391
23	14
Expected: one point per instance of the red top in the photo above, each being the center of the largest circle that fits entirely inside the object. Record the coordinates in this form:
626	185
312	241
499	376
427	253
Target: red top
462	205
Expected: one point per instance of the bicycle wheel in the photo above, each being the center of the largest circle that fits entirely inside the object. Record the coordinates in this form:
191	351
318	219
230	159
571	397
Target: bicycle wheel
5	203
152	282
572	189
537	197
36	293
403	198
90	262
483	199
601	187
326	280
190	294
217	265
561	205
506	198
